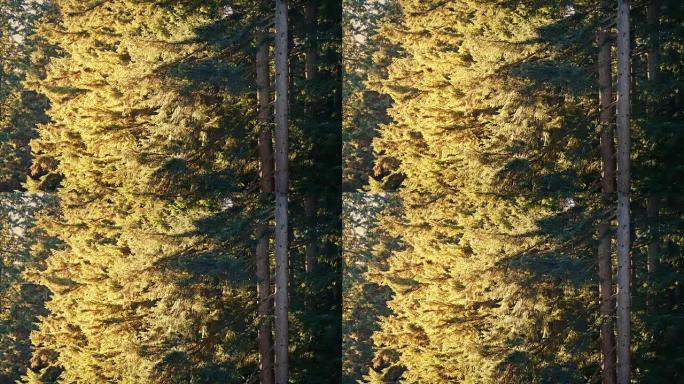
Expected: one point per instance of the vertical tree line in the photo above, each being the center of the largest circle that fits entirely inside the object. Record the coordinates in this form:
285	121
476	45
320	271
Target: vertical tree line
263	265
605	265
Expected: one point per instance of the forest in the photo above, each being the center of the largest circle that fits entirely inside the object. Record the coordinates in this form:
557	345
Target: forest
143	171
341	191
514	171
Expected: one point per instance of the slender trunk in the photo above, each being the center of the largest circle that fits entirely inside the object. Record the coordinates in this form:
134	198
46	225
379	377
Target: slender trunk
263	264
281	186
605	266
623	187
311	200
653	200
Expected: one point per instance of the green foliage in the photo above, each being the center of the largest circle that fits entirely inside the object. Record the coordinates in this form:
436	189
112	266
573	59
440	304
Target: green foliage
20	109
315	175
363	107
364	300
23	248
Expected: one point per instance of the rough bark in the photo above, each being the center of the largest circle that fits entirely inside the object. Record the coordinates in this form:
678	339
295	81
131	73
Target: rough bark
281	186
607	149
623	189
265	337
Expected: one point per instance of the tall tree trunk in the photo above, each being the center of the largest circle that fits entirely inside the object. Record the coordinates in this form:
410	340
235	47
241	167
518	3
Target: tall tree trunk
623	187
262	231
311	200
653	200
605	266
281	186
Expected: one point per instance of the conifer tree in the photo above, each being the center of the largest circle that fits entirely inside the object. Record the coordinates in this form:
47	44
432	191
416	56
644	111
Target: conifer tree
315	197
144	291
471	114
364	241
364	108
23	248
517	108
263	264
150	149
503	185
605	264
20	109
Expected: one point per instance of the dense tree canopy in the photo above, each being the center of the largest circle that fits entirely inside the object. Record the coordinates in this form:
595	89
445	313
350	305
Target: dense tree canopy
493	134
149	148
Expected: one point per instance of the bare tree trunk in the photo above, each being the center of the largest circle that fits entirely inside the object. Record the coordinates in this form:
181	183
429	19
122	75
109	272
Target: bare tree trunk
623	189
605	266
311	200
653	200
263	265
281	187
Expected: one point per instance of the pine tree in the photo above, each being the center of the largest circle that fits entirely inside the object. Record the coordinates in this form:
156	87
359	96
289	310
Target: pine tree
23	251
489	128
149	144
20	109
605	264
315	194
263	259
503	183
364	108
364	299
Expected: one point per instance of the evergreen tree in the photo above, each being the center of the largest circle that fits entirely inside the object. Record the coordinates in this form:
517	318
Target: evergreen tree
494	133
364	108
153	144
315	193
266	170
364	299
23	248
148	134
608	169
20	109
